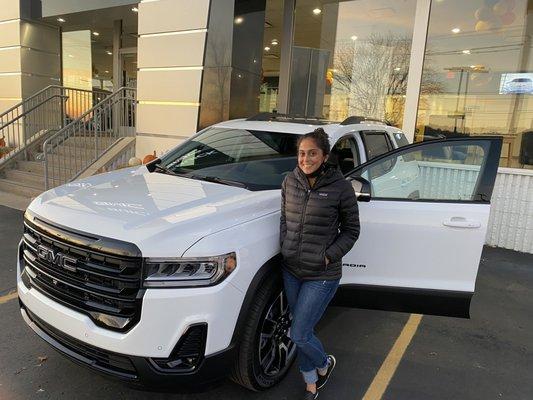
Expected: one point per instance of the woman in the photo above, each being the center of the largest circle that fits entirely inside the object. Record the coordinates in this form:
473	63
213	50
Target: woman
319	225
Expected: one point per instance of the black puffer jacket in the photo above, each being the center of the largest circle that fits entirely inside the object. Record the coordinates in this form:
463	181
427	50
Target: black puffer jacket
317	222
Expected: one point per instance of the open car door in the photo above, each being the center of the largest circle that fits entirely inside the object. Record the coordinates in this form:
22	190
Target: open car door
424	210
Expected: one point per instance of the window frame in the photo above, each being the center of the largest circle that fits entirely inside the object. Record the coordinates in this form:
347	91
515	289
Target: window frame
363	134
486	179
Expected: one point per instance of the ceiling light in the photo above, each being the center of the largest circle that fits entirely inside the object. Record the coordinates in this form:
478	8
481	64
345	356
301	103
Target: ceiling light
96	34
456	30
61	20
135	9
353	37
274	42
397	68
267	48
109	53
317	11
466	51
239	20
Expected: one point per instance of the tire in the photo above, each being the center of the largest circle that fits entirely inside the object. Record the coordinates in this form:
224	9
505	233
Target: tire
265	352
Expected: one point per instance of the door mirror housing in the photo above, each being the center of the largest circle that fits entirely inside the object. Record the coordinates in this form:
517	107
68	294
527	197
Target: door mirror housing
362	188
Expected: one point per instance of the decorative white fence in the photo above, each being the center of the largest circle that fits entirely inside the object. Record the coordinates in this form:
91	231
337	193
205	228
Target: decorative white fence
511	216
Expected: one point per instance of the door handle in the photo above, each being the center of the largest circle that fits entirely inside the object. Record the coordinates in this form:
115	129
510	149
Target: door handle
460	222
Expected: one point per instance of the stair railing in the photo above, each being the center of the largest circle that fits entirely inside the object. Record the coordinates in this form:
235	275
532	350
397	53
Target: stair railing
84	140
45	112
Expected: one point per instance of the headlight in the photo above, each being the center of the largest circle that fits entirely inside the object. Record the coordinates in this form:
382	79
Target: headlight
187	272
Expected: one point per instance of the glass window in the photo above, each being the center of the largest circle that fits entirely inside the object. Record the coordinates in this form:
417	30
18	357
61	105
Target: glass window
351	58
376	144
258	159
345	155
479	73
438	171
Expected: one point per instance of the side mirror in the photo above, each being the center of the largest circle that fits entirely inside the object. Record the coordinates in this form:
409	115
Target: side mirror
362	189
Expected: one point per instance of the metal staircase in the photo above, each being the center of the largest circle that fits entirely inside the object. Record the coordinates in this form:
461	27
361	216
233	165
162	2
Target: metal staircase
74	148
46	146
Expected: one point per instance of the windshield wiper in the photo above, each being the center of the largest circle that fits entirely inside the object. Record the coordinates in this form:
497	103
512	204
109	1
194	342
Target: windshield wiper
216	179
163	169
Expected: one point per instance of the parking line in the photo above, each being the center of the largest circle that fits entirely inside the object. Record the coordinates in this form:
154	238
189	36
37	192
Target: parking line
388	368
8	297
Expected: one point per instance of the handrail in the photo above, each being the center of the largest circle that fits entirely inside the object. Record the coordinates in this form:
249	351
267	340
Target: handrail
36	94
44	112
32	109
95	130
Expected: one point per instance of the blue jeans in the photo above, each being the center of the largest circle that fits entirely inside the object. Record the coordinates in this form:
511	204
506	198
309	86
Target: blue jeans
307	302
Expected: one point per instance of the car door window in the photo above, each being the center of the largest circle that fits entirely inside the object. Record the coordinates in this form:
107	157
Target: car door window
376	143
345	154
440	171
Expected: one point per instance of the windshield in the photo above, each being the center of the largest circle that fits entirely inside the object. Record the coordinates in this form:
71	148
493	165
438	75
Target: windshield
257	159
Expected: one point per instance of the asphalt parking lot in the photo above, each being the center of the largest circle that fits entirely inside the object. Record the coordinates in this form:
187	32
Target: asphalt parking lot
489	356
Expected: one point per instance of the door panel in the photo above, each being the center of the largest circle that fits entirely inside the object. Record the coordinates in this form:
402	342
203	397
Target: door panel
423	231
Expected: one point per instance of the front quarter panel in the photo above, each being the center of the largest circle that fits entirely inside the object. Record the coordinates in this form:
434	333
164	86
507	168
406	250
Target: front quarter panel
255	242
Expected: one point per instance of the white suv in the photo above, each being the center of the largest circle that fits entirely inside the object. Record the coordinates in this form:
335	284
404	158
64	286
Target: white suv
168	275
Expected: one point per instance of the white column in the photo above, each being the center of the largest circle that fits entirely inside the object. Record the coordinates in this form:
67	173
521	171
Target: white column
416	64
172	35
10	55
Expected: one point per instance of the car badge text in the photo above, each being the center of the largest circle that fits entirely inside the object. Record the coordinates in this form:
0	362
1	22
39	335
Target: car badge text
59	259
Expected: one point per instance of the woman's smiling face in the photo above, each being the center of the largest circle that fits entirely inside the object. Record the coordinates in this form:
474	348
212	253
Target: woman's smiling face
310	156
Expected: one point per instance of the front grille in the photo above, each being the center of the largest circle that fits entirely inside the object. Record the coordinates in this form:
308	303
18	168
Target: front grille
70	268
106	361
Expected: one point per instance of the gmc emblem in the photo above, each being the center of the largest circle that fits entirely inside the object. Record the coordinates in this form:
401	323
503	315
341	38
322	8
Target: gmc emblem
59	259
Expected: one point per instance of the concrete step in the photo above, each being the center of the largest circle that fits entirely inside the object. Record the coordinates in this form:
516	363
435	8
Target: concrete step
37	167
78	151
25	177
85	140
20	189
69	161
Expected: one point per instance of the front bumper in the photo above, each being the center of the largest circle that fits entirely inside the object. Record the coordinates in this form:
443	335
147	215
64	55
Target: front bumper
133	370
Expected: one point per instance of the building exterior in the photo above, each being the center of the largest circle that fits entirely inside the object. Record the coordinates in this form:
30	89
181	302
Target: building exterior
431	67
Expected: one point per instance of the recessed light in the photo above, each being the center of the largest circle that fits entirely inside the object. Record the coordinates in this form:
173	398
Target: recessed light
107	72
61	20
456	30
239	20
274	42
466	51
267	48
96	34
135	9
317	11
70	56
109	53
353	37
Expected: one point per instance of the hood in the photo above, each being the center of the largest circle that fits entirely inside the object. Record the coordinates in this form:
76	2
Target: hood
162	214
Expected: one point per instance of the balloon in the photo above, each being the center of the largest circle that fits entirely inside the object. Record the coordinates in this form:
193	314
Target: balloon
500	8
483	14
508	18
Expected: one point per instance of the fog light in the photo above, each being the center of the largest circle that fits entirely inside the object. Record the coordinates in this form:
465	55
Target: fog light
188	353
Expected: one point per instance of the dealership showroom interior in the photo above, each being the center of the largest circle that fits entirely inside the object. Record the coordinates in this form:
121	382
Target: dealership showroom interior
266	199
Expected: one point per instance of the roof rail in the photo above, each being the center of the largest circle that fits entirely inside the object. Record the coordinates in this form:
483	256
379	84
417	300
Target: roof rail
274	116
356	119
